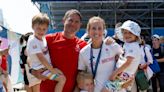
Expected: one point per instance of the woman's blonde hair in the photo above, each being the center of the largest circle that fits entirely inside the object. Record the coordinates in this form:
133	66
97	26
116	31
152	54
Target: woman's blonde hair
95	18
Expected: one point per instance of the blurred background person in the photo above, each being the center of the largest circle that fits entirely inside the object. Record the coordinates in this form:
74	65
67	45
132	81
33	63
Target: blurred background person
23	56
3	67
144	64
158	52
118	34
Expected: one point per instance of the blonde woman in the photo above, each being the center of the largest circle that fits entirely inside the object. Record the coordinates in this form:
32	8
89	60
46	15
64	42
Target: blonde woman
97	57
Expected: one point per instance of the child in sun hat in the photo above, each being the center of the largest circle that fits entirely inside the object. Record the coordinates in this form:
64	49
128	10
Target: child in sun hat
124	74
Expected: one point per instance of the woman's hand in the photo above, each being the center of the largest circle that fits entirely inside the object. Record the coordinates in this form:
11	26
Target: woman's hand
109	40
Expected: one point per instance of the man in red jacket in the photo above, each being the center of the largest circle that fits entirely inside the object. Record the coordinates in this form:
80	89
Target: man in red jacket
64	50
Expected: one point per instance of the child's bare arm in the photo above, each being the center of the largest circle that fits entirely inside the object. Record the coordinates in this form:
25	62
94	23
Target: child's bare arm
122	68
44	61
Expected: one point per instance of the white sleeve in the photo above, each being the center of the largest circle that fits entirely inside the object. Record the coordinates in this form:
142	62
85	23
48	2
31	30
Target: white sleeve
131	51
149	55
33	47
81	63
118	49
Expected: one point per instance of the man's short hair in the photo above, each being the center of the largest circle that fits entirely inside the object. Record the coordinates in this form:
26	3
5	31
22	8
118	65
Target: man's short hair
70	12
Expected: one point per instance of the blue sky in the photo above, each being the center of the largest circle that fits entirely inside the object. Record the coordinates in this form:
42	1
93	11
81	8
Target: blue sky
18	14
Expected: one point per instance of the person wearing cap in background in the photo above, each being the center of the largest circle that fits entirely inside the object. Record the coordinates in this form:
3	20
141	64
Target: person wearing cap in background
158	52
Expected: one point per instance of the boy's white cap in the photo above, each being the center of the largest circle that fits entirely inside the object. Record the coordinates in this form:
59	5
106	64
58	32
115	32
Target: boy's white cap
132	26
155	36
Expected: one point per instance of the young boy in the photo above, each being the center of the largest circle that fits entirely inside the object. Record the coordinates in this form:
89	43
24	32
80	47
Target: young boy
38	53
85	82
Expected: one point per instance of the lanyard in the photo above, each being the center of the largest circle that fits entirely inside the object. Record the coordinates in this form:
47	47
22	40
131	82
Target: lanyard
97	61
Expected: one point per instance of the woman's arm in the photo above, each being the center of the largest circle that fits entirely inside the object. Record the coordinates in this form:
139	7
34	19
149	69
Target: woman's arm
109	40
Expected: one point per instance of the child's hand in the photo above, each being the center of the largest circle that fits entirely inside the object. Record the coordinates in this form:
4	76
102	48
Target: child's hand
104	90
109	40
112	77
143	66
57	71
128	82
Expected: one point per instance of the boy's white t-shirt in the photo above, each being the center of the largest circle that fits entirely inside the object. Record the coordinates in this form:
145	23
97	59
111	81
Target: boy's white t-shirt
133	50
35	46
106	64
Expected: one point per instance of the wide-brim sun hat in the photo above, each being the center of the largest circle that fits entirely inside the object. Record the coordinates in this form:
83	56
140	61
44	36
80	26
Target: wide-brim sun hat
132	26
